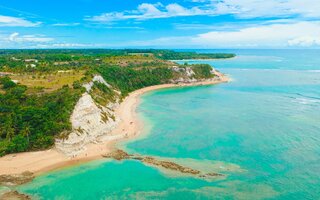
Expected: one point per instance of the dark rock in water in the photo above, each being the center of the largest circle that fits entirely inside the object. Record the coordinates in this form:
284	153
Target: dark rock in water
214	174
210	175
120	155
137	158
170	165
14	195
16	179
117	155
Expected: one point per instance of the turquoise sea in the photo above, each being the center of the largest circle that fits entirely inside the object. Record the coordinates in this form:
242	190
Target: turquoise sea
262	131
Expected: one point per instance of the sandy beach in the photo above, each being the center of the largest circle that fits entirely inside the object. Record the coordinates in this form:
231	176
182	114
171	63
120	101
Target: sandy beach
128	128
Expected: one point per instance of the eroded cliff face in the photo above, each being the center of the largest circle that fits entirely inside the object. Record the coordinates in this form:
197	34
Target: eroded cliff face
96	78
93	122
187	75
89	121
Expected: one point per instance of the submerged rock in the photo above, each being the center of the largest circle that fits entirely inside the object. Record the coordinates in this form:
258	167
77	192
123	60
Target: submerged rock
16	179
170	165
14	195
117	155
210	175
121	155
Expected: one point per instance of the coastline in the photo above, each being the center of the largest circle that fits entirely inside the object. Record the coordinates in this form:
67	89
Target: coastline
204	59
129	127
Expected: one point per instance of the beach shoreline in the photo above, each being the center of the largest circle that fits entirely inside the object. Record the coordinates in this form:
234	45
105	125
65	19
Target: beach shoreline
129	127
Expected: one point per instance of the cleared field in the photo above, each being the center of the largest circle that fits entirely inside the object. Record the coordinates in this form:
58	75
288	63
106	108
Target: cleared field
49	82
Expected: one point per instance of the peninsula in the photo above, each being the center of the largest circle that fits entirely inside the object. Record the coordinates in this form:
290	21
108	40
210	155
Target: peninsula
63	107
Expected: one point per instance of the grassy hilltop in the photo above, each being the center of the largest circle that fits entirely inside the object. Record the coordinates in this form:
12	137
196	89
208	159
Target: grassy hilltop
39	88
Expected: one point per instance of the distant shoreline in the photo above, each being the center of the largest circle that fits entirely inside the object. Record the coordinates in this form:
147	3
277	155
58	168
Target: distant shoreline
130	126
205	59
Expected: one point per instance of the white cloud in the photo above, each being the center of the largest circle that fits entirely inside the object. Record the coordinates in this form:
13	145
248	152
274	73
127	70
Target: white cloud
305	41
15	21
219	26
275	35
66	24
300	34
238	8
15	37
267	8
199	1
150	11
307	8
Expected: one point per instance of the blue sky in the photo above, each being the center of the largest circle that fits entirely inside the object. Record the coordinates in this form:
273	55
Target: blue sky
160	24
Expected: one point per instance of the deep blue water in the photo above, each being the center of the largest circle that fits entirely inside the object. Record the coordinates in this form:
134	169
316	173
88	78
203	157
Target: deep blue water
262	130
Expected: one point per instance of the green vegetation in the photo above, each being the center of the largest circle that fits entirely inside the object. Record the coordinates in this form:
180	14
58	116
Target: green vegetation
35	108
102	94
127	79
82	59
30	122
202	71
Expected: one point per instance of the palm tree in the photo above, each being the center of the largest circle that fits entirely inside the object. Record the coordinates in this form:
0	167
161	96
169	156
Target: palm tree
26	131
9	132
8	128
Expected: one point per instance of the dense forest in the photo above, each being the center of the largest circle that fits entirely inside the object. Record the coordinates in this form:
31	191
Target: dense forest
30	122
37	98
127	79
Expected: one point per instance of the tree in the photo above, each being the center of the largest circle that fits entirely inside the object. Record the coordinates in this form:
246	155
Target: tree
26	132
18	144
7	83
8	128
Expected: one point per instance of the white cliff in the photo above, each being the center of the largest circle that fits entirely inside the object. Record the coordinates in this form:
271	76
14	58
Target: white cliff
89	122
187	75
93	123
96	78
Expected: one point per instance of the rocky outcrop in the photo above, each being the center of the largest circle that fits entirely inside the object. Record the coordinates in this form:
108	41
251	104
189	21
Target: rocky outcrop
89	122
170	165
187	75
118	155
16	179
122	155
14	195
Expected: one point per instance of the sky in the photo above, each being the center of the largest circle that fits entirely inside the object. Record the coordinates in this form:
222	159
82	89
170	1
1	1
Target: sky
159	24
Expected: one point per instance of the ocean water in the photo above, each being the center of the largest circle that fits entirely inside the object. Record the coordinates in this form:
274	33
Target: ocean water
262	131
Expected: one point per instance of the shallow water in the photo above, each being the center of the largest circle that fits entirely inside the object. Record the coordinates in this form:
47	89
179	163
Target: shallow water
262	131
